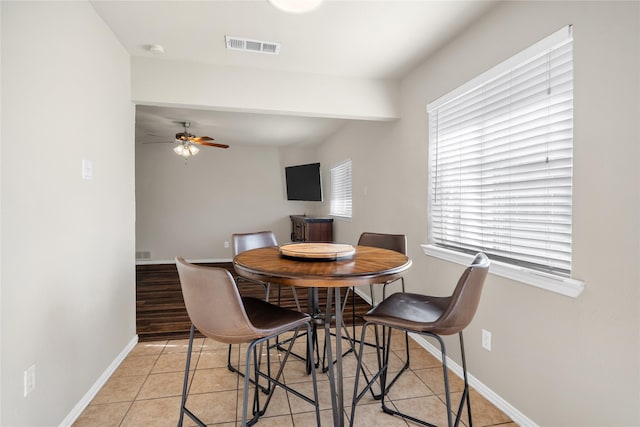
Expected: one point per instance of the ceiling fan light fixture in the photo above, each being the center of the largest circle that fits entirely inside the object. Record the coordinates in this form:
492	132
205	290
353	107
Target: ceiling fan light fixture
296	6
186	150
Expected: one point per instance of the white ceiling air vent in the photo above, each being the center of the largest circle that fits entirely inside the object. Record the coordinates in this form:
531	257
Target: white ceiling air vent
249	45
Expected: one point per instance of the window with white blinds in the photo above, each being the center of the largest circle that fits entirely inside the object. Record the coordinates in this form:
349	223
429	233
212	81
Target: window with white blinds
501	160
341	190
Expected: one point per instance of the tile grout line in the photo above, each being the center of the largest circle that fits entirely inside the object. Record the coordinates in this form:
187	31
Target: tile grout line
198	366
141	386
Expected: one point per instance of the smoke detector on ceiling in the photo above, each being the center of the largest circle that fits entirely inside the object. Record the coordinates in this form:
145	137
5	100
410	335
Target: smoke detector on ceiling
155	48
249	45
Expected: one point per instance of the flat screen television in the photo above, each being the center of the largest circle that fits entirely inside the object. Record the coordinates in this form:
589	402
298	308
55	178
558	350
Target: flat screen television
303	182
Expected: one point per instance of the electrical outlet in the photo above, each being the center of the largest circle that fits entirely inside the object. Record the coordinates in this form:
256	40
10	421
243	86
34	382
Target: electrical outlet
29	380
486	340
226	245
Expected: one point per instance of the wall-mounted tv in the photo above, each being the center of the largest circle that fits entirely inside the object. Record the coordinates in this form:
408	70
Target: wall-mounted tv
303	182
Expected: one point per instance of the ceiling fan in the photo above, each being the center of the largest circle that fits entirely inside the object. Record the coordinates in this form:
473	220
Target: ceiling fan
188	141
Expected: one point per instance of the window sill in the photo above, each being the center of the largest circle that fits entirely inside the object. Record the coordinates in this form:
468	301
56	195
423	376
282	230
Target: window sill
561	285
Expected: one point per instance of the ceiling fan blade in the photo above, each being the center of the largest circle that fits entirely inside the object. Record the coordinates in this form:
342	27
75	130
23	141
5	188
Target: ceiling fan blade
189	138
210	144
202	138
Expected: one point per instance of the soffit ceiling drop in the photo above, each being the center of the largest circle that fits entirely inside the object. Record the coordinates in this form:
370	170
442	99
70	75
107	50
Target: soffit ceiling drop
351	39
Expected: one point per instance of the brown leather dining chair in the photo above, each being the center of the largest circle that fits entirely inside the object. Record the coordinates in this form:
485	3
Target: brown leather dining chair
246	241
216	309
393	242
431	316
260	239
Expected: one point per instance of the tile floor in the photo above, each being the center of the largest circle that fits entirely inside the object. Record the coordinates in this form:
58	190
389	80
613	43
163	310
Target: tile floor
145	390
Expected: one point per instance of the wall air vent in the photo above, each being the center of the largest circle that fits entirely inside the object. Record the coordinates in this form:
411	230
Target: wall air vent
143	255
249	45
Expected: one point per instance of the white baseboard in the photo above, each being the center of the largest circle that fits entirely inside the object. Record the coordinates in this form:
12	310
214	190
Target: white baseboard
173	261
88	397
513	413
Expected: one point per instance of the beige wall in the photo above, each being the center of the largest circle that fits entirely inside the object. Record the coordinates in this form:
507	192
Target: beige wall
68	273
559	361
68	303
556	361
191	208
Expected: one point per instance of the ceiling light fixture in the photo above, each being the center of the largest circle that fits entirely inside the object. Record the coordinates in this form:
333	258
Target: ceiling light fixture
186	150
296	6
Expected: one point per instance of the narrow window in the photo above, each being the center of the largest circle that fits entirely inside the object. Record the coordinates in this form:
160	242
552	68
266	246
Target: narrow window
341	190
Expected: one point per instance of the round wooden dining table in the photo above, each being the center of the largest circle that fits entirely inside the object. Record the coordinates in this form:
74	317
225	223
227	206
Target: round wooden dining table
368	265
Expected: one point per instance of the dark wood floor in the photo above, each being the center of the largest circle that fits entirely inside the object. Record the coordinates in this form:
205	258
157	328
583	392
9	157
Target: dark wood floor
160	311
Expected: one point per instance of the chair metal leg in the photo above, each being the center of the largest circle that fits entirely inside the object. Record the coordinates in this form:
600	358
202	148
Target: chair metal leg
406	337
380	358
326	318
295	298
313	374
232	368
185	386
406	334
373	300
386	351
384	288
382	374
465	394
245	392
309	360
257	410
267	290
382	368
445	373
278	344
357	396
385	389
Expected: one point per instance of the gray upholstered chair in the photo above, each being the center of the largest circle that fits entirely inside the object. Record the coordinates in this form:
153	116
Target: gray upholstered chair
430	316
215	307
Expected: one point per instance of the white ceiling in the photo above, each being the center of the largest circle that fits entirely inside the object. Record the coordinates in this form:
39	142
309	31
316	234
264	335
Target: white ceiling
355	39
160	124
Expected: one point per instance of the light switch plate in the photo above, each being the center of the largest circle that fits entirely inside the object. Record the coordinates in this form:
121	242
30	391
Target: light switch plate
486	340
87	169
29	380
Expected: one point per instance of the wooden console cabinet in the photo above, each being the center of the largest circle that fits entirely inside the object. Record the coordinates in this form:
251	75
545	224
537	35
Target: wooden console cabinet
311	229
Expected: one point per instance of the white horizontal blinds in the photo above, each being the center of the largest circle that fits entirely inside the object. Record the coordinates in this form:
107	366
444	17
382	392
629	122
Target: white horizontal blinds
341	197
501	164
